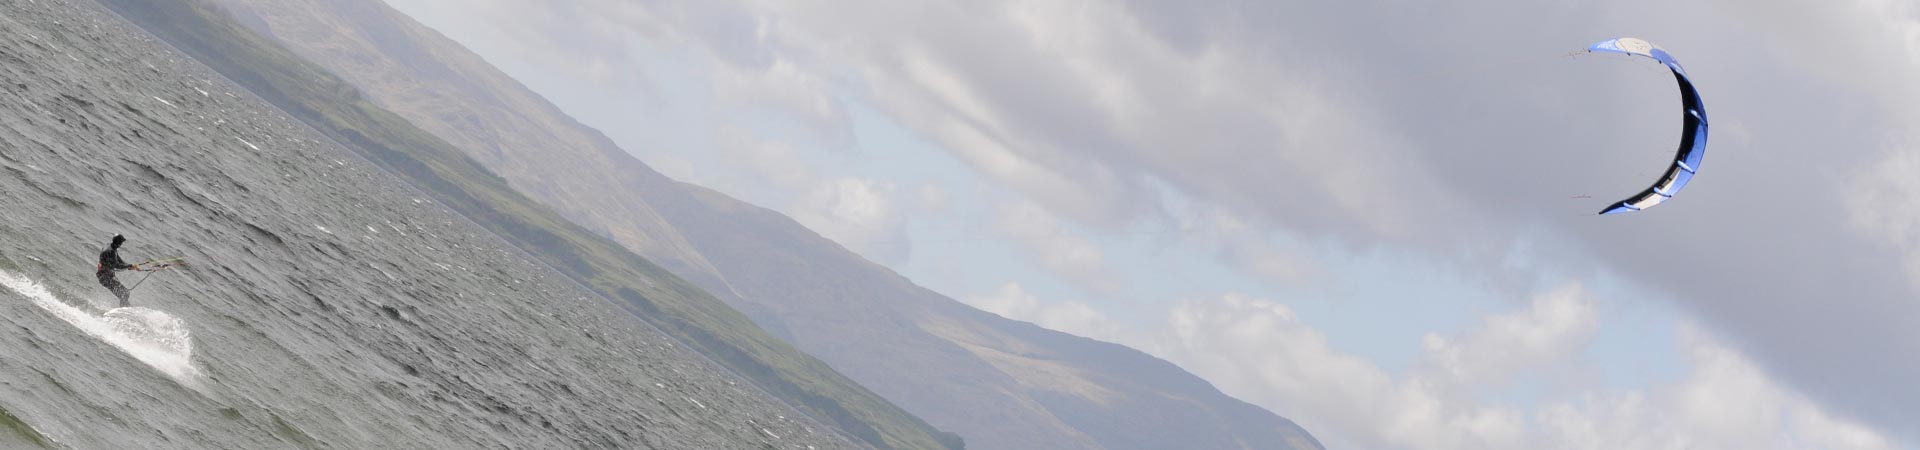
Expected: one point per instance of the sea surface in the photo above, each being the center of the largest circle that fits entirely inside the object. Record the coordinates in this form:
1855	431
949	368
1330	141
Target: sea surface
323	303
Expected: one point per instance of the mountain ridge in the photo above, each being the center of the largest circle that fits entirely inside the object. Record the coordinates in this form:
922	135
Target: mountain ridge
998	383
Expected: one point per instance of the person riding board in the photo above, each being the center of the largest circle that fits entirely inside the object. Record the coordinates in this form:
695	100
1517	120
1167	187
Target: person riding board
109	263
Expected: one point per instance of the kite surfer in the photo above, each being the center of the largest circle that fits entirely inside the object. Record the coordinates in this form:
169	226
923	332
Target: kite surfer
109	263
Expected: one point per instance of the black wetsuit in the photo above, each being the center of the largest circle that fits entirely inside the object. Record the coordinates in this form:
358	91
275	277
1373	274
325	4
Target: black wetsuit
110	262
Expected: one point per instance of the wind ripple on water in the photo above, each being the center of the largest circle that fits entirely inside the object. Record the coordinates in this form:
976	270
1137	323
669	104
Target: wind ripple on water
149	335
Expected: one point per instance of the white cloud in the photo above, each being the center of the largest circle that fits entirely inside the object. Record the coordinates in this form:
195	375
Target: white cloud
1259	257
785	87
1059	249
1554	325
1886	203
1254	250
858	213
927	94
1072	317
582	50
1011	301
1076	104
1260	351
776	163
1724	402
1879	34
934	199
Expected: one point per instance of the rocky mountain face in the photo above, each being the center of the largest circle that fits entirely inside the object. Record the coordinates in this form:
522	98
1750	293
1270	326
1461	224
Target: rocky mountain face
517	136
964	369
1000	384
323	304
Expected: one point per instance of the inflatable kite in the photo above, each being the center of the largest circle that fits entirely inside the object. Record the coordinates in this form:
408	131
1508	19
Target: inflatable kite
1693	135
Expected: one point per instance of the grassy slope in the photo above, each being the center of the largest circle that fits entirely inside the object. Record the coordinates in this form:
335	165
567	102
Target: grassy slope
697	319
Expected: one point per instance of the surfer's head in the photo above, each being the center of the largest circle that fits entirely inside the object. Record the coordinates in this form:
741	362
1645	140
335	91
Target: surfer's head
117	240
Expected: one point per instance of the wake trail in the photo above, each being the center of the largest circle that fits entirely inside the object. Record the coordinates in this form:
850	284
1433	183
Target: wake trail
154	337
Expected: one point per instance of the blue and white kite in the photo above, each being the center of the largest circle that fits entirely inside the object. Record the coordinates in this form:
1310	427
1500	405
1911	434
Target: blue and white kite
1693	137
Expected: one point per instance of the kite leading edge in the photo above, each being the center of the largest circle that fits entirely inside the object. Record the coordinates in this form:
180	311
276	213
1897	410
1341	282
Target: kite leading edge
1693	136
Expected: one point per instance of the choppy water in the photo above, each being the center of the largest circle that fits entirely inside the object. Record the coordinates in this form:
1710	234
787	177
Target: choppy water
326	306
154	337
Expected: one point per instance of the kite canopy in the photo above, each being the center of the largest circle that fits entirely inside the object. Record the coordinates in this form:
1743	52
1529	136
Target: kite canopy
1693	136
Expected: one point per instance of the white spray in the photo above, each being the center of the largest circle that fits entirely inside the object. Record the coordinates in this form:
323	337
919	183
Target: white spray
151	336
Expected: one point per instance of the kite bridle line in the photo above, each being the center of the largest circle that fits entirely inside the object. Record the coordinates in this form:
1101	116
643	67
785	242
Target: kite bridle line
168	260
143	279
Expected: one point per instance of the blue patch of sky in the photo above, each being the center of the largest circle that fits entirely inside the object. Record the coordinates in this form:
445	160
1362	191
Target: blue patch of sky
1638	343
956	251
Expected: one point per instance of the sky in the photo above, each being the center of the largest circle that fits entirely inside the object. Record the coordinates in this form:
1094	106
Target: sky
1373	217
